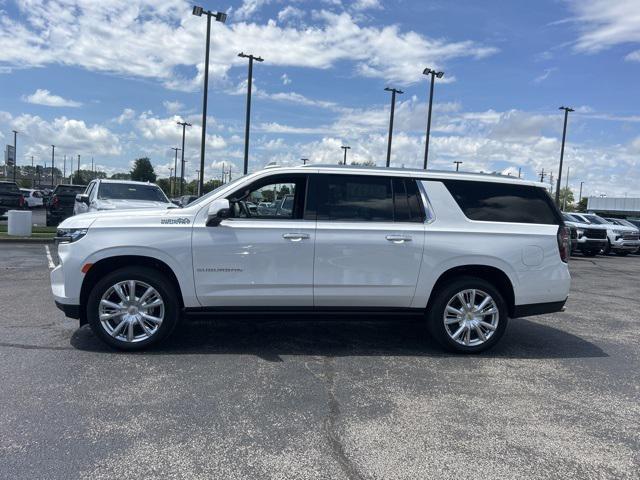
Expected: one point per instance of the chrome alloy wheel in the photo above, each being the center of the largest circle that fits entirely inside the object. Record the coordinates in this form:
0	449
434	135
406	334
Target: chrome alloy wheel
471	317
131	311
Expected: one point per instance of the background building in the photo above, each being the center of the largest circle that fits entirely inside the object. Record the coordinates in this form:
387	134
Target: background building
626	207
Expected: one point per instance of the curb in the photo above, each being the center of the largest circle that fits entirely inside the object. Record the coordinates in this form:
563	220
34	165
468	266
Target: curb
27	240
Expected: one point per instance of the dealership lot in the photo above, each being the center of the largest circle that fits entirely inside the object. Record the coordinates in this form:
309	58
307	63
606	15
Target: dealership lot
558	397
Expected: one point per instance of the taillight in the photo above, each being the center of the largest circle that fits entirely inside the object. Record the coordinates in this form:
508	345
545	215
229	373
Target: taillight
21	201
563	243
55	201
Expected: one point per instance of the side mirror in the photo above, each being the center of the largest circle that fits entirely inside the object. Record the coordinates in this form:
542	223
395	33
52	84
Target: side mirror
219	209
82	198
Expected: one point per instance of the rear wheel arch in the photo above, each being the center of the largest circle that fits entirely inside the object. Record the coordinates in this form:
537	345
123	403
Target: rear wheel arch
498	278
111	264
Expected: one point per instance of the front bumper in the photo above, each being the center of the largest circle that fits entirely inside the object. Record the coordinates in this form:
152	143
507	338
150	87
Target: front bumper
71	311
625	245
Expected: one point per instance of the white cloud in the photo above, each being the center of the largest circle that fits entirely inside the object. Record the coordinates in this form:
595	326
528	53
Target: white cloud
633	56
366	4
126	115
249	7
285	79
162	40
290	13
45	97
606	23
544	75
172	107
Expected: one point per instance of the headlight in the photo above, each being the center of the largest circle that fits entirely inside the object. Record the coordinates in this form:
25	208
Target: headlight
580	232
70	235
619	232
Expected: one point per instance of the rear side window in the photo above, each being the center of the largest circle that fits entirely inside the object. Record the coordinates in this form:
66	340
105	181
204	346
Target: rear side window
504	202
364	198
9	188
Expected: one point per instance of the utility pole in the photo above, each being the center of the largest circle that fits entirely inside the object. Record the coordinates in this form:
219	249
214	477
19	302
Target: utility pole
78	174
551	183
175	169
580	196
33	175
564	136
434	74
345	148
219	17
53	165
171	179
64	167
566	190
223	182
519	172
15	153
393	91
184	126
304	160
248	120
542	175
457	162
93	171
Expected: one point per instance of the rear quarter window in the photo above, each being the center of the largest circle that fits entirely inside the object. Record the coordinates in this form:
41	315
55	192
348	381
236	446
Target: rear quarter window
504	202
9	188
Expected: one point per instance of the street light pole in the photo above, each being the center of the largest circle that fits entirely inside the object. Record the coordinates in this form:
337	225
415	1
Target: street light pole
304	160
580	196
219	17
393	91
184	126
434	74
78	175
53	165
566	190
15	153
175	170
564	136
345	148
248	120
457	162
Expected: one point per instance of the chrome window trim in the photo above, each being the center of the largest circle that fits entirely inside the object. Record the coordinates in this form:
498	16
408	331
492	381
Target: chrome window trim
428	209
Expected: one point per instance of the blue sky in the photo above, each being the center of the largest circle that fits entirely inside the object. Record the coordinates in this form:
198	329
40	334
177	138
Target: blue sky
109	79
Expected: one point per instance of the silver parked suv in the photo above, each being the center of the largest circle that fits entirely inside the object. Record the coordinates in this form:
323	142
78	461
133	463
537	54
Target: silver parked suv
466	252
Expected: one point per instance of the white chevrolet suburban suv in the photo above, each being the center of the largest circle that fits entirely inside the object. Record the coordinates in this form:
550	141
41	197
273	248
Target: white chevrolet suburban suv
464	251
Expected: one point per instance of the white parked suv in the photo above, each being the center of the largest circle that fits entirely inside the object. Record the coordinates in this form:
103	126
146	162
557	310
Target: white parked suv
120	195
622	239
466	251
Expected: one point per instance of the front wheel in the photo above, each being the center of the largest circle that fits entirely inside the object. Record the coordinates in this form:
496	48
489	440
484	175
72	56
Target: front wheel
133	308
468	316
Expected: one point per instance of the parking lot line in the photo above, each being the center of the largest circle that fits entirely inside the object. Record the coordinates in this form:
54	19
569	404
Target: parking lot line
49	258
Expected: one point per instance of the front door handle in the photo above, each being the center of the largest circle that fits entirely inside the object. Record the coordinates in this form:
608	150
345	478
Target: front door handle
295	237
398	238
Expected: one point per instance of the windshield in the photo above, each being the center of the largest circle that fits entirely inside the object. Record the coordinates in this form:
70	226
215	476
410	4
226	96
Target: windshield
576	218
596	219
213	192
9	188
131	191
626	223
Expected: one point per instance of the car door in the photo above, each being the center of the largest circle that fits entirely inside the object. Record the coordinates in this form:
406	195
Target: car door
369	240
257	258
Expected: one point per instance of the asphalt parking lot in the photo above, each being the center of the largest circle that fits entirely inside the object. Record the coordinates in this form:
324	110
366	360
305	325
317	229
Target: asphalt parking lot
558	398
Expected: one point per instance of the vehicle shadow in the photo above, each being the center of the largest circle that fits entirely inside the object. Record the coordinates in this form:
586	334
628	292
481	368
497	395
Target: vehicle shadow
269	339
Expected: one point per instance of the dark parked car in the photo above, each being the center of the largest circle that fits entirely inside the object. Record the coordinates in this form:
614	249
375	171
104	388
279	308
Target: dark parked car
61	204
10	197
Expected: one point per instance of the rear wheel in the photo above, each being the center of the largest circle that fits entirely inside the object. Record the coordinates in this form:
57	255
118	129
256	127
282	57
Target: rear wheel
607	248
133	308
469	315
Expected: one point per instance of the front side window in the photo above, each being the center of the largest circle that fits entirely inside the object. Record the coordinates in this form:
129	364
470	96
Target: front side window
364	198
274	197
503	202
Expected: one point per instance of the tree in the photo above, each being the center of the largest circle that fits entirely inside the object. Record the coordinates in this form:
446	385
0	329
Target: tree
582	205
143	170
566	192
121	176
165	185
364	163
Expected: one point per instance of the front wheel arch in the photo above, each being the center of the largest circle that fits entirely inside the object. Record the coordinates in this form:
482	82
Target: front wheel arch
110	264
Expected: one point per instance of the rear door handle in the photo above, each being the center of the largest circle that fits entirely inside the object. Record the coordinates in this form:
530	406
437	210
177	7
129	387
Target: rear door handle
398	238
295	237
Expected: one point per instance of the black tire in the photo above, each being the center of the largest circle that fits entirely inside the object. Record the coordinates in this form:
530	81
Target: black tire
438	304
153	278
590	253
607	249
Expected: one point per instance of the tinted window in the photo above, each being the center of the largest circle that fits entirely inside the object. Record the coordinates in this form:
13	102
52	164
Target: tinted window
504	202
130	191
406	202
9	188
69	190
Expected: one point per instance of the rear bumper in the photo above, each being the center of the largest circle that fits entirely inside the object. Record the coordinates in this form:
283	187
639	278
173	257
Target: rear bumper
531	309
